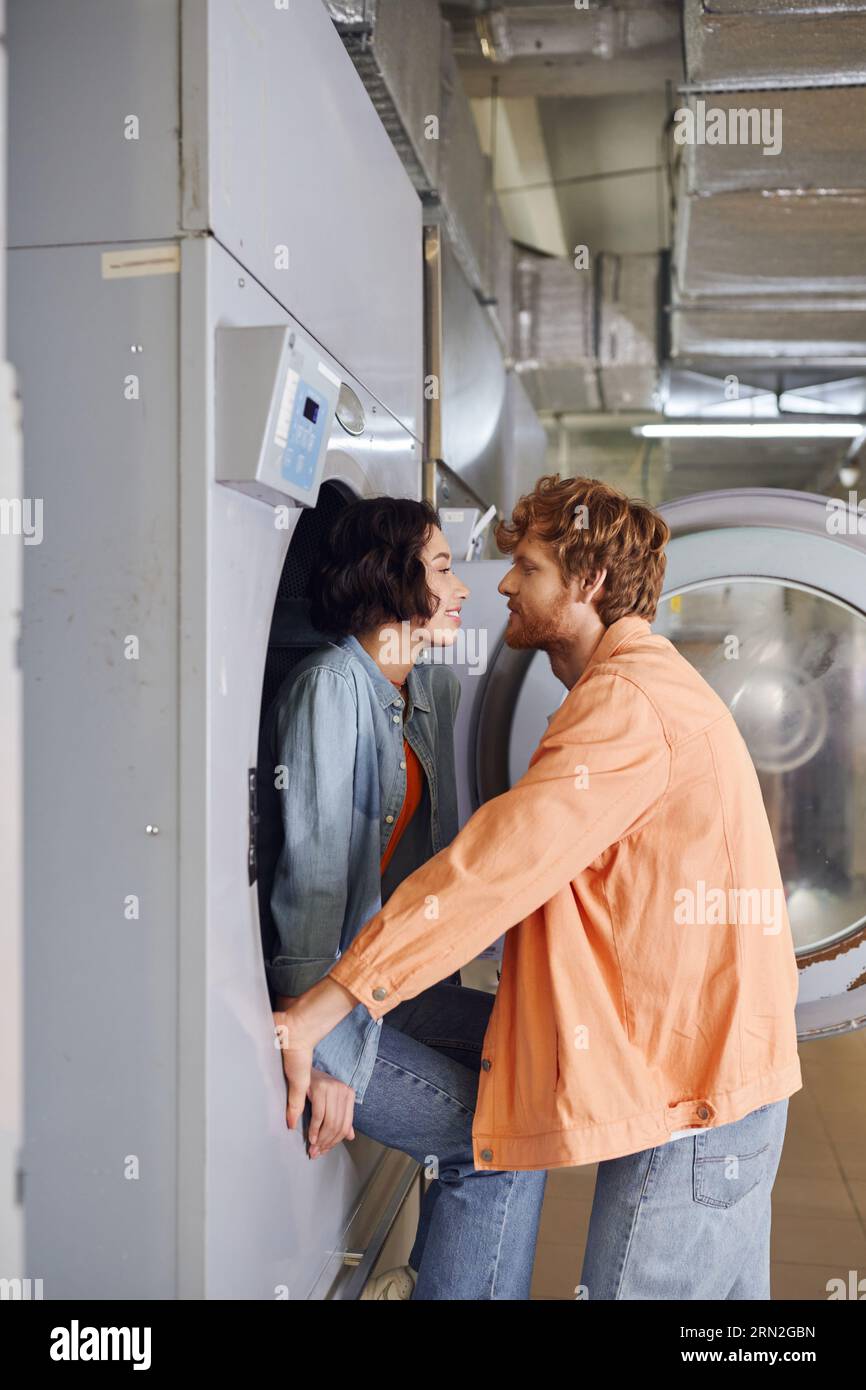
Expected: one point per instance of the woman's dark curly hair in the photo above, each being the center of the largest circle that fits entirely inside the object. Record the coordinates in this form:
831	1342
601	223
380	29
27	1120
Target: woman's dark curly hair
371	571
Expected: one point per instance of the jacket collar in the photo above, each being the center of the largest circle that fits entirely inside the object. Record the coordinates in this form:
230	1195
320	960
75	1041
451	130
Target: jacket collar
386	692
618	635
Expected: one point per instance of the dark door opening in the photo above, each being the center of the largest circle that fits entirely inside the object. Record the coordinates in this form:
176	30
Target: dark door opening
292	637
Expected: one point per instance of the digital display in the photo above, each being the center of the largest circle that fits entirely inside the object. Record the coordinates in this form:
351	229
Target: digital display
311	410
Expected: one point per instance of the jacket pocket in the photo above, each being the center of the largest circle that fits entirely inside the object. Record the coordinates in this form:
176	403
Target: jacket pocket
730	1160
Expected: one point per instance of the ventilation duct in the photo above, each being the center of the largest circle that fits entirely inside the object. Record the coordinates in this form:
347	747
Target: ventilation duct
775	43
628	331
555	333
465	174
404	55
558	50
395	47
769	283
588	340
507	31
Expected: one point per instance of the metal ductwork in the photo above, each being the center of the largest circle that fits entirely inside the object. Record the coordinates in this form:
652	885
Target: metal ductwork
395	46
482	432
588	339
559	50
769	283
404	55
736	44
466	178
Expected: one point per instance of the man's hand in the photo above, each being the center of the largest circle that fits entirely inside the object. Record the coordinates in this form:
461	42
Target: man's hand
333	1110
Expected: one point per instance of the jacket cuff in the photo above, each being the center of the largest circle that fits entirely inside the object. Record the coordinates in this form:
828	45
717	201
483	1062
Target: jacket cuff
364	984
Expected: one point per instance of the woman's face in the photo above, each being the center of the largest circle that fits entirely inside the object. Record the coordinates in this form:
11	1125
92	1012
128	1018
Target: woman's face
441	629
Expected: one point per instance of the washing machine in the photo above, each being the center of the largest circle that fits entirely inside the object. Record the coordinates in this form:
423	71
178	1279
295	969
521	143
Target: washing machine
765	594
246	204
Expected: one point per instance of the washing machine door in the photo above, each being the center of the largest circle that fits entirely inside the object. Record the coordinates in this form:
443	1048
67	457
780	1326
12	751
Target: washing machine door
765	595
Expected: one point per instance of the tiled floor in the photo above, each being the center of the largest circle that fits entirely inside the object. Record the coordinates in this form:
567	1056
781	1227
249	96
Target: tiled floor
819	1200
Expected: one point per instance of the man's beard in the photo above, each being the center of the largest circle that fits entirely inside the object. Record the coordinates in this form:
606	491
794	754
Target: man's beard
543	633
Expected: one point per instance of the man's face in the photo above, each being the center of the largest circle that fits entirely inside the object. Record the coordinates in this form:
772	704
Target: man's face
543	610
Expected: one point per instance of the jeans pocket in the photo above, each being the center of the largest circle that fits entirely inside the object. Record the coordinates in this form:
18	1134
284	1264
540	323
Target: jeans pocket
730	1160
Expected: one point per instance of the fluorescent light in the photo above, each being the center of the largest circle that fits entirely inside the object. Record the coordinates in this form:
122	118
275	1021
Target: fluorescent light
765	430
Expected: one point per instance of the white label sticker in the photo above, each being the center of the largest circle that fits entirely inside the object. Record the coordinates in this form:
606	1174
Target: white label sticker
144	260
284	417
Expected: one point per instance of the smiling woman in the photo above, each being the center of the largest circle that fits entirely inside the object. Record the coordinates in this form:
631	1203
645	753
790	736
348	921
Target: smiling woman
356	771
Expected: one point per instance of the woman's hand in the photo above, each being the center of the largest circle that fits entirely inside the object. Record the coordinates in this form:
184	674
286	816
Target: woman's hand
297	1051
299	1024
333	1109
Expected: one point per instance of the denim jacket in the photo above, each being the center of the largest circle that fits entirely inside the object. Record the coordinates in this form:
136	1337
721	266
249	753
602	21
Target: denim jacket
332	780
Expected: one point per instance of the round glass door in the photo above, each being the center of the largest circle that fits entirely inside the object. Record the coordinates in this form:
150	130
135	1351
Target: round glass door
790	664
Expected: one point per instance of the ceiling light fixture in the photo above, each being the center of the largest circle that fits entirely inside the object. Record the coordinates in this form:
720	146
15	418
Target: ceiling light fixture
820	429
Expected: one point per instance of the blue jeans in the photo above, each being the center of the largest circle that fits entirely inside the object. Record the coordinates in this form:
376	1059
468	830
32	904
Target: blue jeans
689	1219
478	1228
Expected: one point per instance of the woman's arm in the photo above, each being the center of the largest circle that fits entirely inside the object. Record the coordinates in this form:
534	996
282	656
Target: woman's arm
315	734
315	737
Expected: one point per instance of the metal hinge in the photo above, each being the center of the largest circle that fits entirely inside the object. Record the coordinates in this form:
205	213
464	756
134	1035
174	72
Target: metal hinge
252	858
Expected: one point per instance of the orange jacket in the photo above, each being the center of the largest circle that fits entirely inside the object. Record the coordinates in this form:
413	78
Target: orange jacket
649	982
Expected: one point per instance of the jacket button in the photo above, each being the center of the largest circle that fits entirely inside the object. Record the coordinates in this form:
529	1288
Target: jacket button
486	1063
397	718
380	993
487	1155
703	1112
389	819
403	767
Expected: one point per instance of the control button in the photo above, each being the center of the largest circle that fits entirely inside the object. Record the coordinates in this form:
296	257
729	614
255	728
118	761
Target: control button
487	1155
380	993
486	1063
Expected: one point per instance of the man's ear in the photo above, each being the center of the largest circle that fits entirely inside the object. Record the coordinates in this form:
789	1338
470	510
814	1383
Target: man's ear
591	585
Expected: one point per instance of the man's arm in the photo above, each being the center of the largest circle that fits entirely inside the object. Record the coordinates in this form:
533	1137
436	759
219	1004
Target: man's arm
602	764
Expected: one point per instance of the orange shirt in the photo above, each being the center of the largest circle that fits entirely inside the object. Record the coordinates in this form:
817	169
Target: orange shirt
411	801
649	978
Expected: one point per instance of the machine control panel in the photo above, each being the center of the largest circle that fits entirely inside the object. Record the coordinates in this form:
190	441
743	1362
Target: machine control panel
276	400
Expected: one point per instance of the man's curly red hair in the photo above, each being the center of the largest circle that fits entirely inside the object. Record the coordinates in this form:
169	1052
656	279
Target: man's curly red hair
592	526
